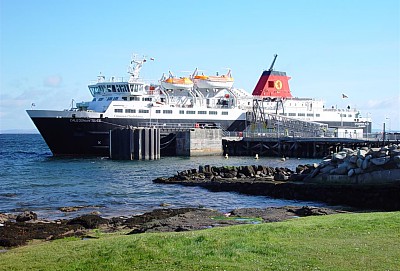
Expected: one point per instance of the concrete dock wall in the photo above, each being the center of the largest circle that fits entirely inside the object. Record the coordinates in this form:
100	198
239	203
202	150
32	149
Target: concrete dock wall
199	142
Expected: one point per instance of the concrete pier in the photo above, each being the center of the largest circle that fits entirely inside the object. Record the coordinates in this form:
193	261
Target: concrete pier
199	142
135	144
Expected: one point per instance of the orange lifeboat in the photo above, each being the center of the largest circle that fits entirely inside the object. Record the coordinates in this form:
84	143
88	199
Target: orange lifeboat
173	83
214	82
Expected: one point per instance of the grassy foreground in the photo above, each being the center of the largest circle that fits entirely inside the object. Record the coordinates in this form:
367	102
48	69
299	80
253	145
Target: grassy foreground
368	241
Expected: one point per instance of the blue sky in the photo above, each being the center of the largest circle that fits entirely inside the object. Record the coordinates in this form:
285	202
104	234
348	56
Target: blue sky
51	50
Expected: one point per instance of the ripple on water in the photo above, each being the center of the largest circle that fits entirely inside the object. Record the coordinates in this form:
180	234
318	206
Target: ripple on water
34	180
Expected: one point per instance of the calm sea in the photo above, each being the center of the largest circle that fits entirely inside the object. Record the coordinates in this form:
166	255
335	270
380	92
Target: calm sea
31	179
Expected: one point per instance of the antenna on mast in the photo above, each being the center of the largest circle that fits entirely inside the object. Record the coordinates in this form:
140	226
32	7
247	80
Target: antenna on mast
273	63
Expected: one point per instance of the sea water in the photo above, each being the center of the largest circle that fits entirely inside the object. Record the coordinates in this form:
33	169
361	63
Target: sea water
32	179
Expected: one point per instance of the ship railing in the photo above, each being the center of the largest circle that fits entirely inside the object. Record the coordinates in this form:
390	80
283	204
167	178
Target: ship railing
179	126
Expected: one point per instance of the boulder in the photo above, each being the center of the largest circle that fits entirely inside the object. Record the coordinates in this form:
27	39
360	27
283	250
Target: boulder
361	153
380	161
26	216
88	221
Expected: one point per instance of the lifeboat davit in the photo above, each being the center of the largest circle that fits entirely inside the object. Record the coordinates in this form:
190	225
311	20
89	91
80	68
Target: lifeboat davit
183	83
214	82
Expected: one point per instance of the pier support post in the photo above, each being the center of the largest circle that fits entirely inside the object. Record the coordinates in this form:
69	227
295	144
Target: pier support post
135	144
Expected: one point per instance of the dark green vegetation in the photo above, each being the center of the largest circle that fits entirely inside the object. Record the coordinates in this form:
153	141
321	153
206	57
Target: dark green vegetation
367	241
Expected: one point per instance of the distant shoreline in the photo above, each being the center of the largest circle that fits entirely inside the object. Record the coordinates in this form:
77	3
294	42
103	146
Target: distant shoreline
19	131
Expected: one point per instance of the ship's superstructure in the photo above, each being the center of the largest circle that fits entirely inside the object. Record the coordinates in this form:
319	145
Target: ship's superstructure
196	101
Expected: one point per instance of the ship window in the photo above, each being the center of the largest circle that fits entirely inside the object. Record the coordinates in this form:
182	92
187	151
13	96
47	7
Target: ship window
292	114
190	112
109	98
158	111
94	99
100	99
317	115
181	111
146	99
202	112
310	115
350	115
282	114
115	98
113	88
301	114
167	111
143	111
212	112
271	84
134	98
225	113
130	110
125	98
118	110
343	115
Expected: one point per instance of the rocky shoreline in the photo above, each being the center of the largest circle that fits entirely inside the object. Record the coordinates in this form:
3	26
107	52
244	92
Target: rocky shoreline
17	230
363	178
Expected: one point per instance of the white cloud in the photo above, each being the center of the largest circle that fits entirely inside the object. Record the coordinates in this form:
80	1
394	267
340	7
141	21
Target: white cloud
52	81
386	110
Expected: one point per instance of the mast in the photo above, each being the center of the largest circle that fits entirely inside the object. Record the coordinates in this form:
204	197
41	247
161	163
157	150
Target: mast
135	67
273	63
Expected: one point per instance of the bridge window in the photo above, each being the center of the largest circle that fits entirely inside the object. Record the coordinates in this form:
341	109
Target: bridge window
100	99
109	98
115	98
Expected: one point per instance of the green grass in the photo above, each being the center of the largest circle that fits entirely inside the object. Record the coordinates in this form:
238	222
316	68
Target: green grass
368	241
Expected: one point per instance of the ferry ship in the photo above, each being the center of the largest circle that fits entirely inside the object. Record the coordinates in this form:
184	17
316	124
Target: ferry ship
197	101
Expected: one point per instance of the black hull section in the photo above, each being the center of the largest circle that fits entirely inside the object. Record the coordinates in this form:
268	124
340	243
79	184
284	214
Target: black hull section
90	137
